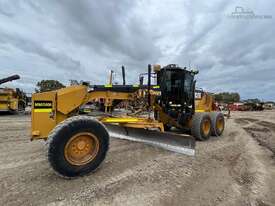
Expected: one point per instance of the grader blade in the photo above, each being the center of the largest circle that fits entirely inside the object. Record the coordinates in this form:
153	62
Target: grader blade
170	141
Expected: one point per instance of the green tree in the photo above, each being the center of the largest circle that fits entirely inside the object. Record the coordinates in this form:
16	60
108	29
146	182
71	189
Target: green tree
227	97
74	82
254	101
48	85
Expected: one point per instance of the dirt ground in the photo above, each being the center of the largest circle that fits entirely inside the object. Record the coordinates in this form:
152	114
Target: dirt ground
235	169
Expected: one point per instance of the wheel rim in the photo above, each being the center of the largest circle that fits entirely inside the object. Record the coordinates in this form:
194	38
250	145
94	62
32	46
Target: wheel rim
220	124
206	125
81	149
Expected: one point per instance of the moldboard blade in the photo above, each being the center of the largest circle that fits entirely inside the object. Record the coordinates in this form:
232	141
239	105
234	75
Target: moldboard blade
170	141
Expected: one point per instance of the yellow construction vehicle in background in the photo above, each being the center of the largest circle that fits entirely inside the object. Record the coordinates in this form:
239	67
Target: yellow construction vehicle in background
161	114
204	102
11	100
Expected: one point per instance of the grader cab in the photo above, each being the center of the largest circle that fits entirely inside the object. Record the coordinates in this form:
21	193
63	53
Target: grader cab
161	113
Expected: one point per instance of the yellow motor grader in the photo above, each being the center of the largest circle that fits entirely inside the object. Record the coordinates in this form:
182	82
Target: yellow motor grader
162	114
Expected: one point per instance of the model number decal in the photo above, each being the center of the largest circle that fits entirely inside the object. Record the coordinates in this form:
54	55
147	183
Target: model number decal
43	106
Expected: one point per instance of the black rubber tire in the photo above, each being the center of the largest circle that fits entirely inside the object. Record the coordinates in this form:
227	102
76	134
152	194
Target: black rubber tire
197	126
60	136
214	117
21	107
167	127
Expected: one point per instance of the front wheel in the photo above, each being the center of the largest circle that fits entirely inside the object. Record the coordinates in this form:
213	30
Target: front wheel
77	146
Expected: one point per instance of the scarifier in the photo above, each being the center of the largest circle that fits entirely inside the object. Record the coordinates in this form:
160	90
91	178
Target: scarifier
162	114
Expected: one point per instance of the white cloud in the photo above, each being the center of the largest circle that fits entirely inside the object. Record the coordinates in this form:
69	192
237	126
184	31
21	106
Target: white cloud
84	39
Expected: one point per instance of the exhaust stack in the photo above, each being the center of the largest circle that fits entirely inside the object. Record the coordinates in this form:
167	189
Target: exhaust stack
123	75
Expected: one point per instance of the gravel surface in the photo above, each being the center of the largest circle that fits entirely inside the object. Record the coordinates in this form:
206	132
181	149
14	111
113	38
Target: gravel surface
235	169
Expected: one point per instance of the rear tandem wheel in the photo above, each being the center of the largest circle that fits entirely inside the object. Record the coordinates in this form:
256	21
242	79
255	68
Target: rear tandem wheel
201	126
217	122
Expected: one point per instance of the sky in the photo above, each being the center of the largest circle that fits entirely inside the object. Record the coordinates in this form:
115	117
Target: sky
83	40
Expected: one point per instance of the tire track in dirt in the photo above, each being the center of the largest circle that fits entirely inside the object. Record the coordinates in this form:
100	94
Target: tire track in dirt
146	175
261	131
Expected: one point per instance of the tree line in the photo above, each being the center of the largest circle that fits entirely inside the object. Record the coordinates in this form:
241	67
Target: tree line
227	97
50	85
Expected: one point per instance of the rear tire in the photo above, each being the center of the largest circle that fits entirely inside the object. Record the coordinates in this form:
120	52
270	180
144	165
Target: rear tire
201	126
217	123
77	146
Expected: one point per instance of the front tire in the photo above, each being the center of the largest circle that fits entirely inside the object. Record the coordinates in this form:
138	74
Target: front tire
77	146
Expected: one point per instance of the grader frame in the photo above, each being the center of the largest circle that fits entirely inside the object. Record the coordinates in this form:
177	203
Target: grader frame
51	108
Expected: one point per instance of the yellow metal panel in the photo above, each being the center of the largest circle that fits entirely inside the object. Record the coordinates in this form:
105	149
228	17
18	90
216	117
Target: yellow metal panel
42	110
119	120
144	125
134	122
70	98
205	103
4	106
43	122
14	104
200	110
